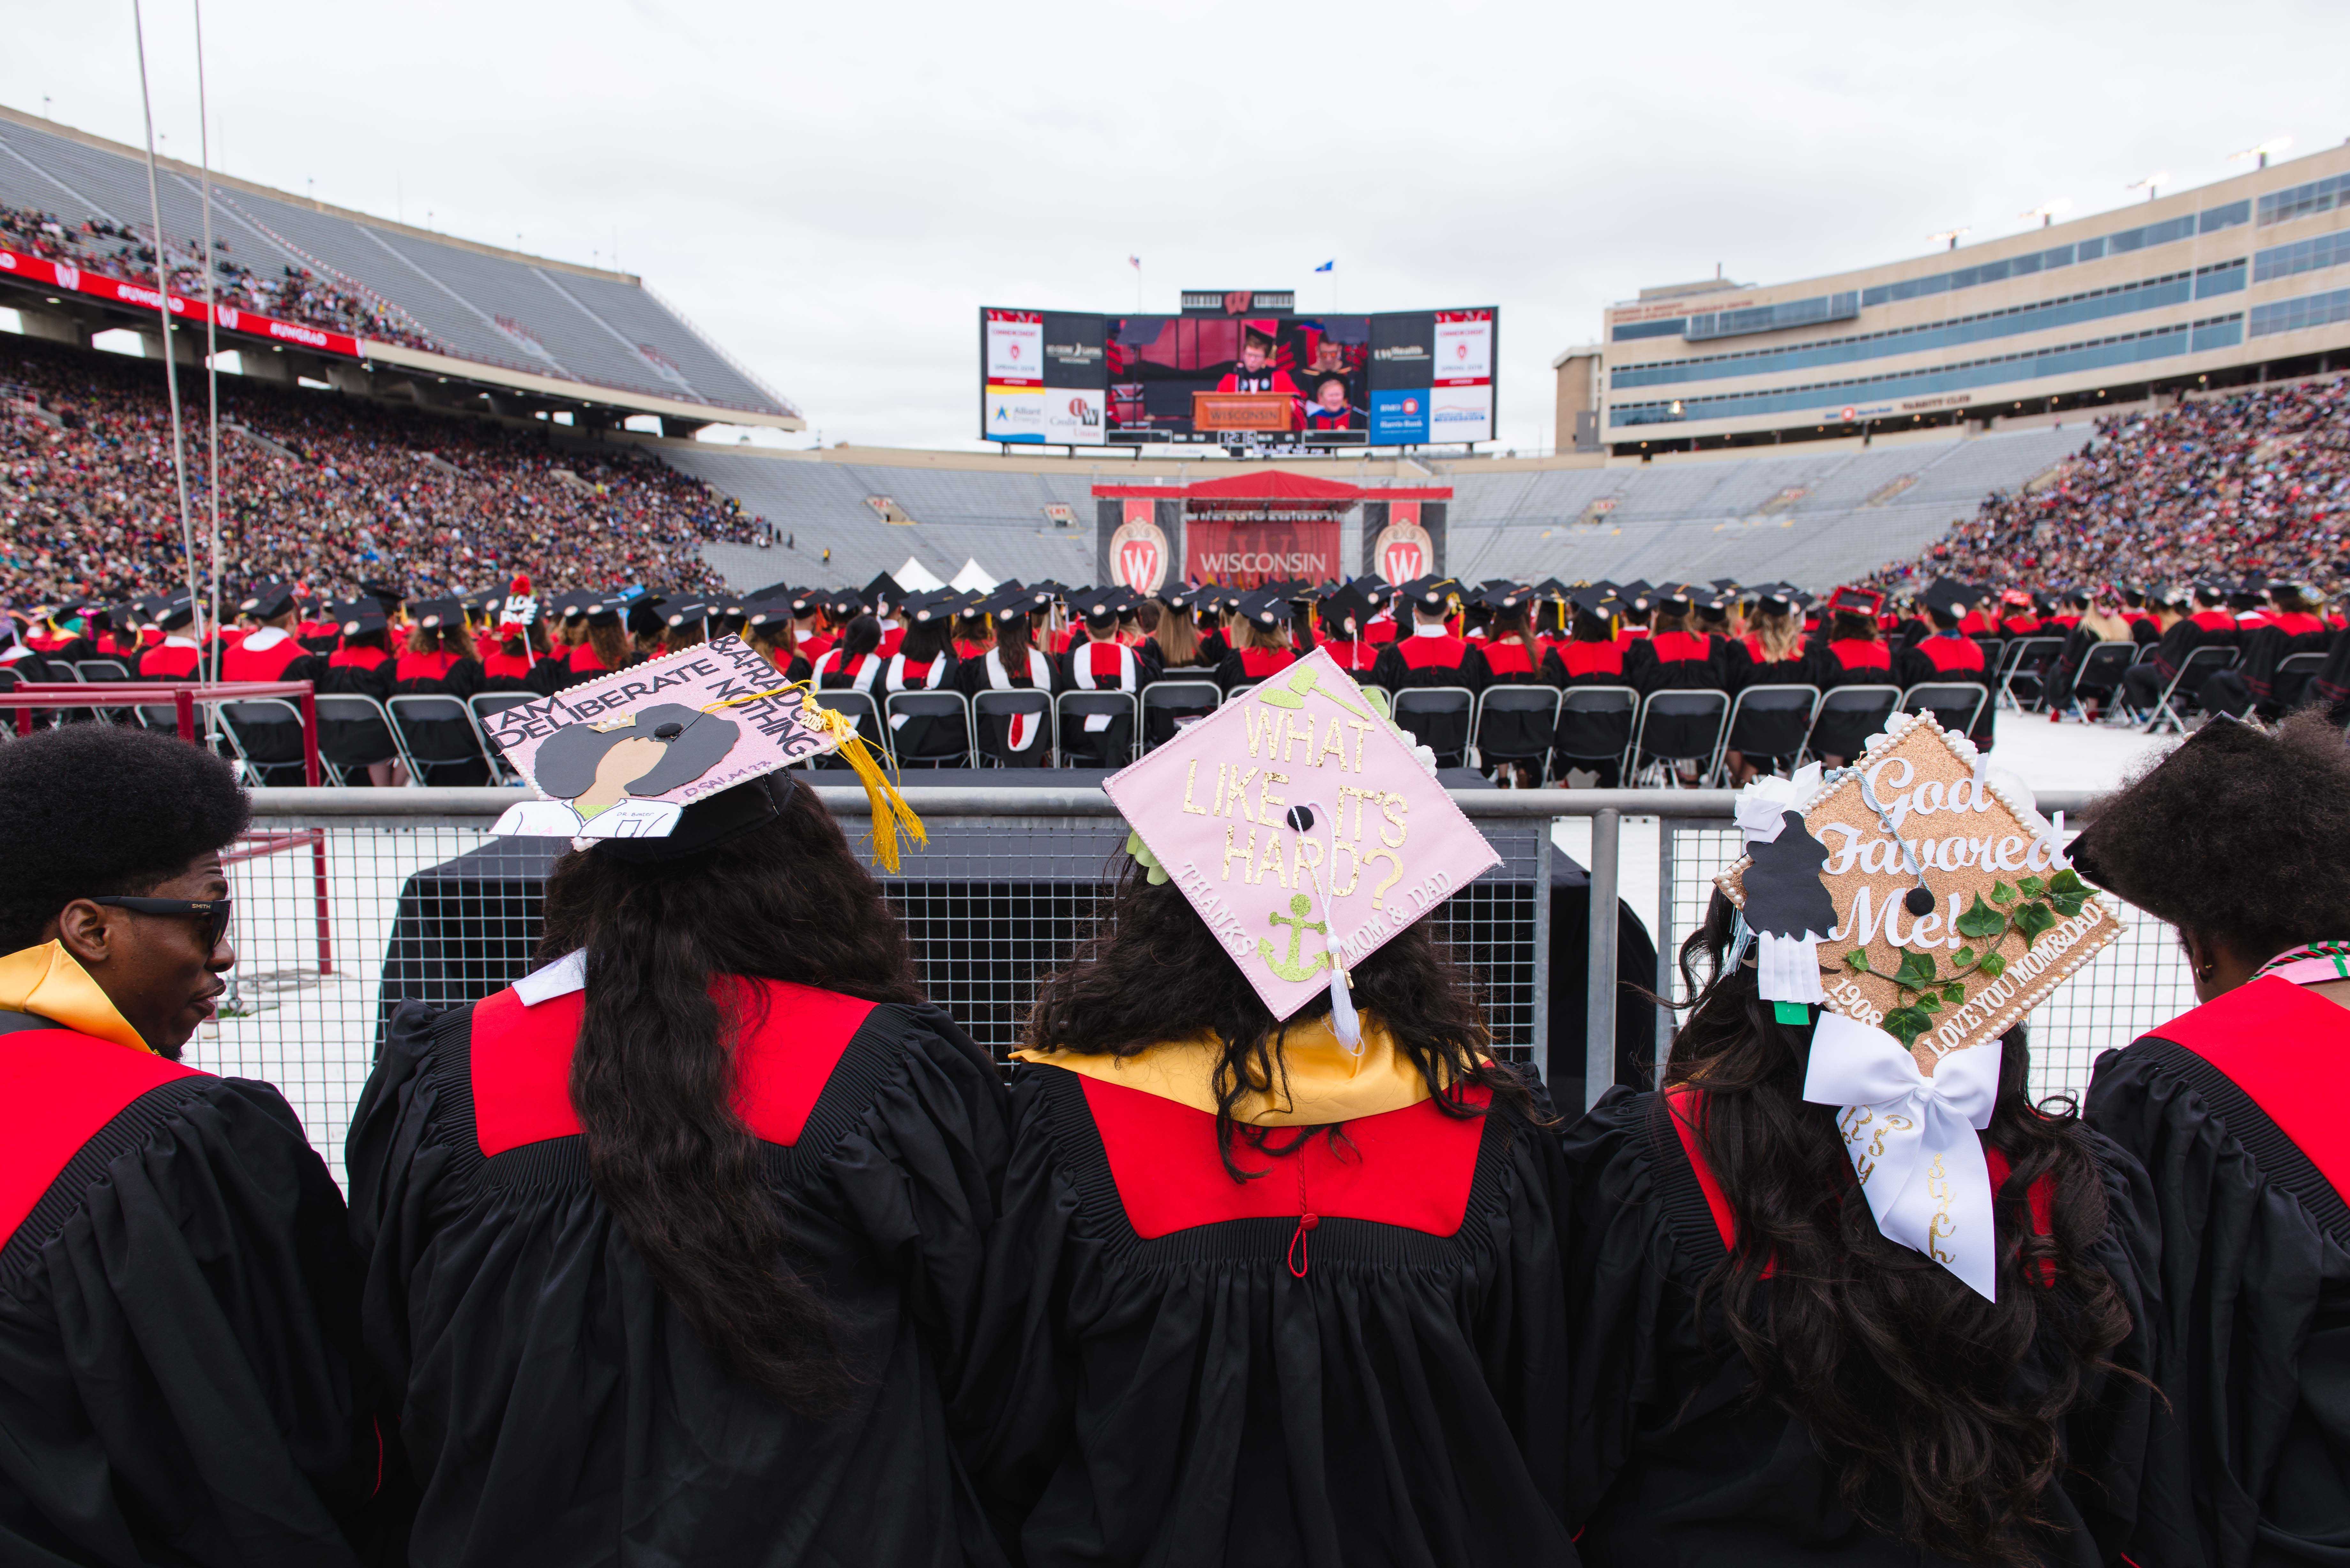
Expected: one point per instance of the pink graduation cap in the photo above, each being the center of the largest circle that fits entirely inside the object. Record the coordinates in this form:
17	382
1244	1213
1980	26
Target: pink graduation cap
1305	829
621	757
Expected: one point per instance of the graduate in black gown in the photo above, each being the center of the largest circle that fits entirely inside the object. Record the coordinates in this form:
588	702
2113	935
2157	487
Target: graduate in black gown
1950	1358
1260	1298
2242	839
675	1246
179	1380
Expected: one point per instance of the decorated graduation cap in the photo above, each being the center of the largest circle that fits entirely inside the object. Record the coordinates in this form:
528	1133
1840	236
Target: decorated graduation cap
1921	906
651	753
1856	601
1304	828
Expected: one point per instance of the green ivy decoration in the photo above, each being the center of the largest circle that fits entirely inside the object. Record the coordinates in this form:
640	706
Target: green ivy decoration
2030	906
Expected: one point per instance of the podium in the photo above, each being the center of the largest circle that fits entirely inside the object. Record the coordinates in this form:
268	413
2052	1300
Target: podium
1243	411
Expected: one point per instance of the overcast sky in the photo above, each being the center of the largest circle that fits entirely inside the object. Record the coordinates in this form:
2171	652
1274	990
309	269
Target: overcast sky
832	192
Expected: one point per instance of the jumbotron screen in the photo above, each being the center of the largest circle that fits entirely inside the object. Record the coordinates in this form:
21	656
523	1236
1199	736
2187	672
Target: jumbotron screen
1406	378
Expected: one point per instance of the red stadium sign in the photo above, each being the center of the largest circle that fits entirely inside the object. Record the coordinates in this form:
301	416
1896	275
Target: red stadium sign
74	280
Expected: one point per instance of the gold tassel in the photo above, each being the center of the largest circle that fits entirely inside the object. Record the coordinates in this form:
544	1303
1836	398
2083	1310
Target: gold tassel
892	815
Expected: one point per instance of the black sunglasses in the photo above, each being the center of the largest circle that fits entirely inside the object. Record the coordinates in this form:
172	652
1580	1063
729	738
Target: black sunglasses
214	912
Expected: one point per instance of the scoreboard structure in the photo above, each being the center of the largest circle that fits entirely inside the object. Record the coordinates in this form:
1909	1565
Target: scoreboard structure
1241	367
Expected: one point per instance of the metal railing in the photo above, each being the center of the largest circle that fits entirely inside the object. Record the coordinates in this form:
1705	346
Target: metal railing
350	901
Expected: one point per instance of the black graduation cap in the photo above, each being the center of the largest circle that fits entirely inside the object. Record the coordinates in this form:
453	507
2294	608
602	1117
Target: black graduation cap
1948	596
354	618
921	609
434	614
176	613
1345	604
1267	607
682	610
884	589
1501	598
803	601
845	606
1428	593
1598	599
1638	588
1052	589
768	611
1725	585
1098	606
574	604
488	602
267	600
645	619
1551	588
601	610
1674	596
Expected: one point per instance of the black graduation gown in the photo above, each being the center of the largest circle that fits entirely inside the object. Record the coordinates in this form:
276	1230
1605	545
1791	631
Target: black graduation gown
178	1323
1671	1462
1414	662
557	1410
925	738
1173	1383
1953	660
1855	661
1106	667
1509	733
998	731
2255	1260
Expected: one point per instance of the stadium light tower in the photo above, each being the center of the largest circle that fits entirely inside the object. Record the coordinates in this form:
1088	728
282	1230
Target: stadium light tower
2262	149
1948	236
2160	177
2047	210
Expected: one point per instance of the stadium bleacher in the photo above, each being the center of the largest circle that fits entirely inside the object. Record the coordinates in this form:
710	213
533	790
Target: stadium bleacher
496	307
1696	520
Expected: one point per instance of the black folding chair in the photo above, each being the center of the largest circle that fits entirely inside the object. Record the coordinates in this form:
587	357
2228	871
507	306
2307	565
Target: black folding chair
1676	728
486	704
267	732
1771	723
1847	717
2179	698
1097	729
1438	717
2101	671
1023	713
355	734
1595	725
1514	725
929	729
1171	706
2291	683
2023	677
1953	704
860	707
444	747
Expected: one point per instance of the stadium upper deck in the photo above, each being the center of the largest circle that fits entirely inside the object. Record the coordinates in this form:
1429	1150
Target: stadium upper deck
536	330
2206	288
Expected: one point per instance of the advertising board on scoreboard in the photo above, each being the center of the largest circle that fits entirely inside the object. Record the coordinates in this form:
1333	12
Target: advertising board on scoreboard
1409	377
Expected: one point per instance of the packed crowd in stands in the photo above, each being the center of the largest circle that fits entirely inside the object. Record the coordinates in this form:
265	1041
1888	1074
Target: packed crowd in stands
88	508
2254	485
285	291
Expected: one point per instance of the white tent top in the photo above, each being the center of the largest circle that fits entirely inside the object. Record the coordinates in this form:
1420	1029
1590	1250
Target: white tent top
974	577
916	578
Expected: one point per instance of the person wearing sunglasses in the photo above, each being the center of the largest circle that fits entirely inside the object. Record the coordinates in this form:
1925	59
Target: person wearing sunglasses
178	1291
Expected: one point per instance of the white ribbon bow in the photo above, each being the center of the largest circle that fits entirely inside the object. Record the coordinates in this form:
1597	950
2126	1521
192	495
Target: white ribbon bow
1912	1141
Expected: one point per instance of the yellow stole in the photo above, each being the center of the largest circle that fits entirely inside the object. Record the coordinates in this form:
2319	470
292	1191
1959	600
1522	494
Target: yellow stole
1326	1082
48	982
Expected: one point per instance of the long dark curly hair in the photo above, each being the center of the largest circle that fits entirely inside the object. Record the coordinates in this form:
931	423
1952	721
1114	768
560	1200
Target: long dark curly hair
653	1078
1906	1380
1155	972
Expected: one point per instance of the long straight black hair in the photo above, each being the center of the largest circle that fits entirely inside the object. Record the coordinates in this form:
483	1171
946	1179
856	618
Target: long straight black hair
653	1078
1905	1378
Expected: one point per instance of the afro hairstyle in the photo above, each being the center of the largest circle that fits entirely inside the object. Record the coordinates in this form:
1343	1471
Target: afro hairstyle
2240	835
96	809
